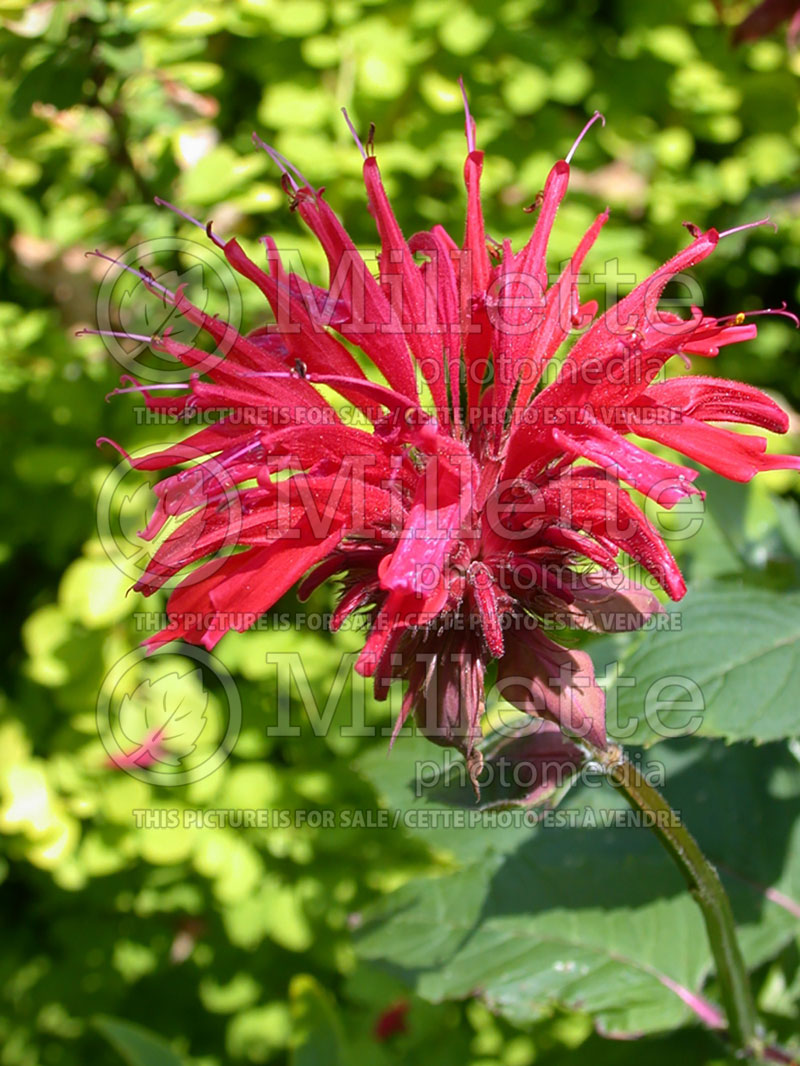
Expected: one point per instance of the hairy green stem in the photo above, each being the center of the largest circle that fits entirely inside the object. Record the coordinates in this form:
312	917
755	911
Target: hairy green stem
705	886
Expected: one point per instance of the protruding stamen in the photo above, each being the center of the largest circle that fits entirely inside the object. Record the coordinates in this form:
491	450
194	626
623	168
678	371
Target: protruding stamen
143	275
469	121
739	318
353	133
765	221
283	375
693	229
282	163
113	333
278	160
371	139
144	389
115	446
582	134
189	218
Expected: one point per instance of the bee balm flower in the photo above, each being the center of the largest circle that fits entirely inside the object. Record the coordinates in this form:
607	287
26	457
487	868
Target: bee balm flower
467	502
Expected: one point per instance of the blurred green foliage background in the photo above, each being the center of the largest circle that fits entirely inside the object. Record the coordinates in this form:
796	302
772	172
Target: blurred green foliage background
226	941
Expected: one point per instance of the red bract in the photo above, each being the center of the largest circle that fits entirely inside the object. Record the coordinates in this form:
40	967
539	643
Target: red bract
460	501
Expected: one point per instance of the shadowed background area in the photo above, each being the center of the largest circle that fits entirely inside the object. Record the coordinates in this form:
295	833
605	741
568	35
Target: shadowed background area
235	944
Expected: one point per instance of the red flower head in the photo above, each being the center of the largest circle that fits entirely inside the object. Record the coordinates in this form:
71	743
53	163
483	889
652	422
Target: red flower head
459	501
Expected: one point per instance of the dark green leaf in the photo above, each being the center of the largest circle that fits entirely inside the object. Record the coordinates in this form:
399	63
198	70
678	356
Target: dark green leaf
135	1044
598	919
727	667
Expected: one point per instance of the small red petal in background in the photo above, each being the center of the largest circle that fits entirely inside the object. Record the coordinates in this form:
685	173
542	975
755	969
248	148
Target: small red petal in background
392	1021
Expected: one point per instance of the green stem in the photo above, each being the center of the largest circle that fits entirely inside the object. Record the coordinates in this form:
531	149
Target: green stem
705	886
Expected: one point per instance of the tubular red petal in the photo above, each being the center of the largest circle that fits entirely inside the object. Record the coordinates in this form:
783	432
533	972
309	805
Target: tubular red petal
442	292
437	515
236	593
658	479
531	352
474	273
415	315
372	322
531	260
304	338
635	314
720	400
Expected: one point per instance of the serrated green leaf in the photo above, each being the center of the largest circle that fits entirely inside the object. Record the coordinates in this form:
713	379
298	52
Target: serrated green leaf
427	784
599	919
727	666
